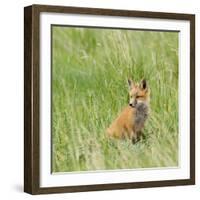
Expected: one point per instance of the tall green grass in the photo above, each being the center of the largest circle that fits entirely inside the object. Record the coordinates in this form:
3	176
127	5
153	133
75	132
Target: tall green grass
90	68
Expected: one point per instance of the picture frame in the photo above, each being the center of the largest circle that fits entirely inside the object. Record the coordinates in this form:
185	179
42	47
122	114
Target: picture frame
34	156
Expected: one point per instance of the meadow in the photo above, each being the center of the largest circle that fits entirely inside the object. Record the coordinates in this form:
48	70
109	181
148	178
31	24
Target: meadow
90	68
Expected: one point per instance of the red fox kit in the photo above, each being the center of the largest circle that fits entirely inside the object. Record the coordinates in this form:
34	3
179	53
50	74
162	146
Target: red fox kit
131	120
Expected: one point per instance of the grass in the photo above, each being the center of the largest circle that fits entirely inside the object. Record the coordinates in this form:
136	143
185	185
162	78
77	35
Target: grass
89	88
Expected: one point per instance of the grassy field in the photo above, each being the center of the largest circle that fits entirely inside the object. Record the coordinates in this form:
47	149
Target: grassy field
89	88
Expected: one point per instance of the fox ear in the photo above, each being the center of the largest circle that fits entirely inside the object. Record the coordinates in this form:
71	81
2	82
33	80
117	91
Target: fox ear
130	83
143	84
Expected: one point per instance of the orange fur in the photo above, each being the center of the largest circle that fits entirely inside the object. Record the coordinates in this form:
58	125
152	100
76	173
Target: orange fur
127	125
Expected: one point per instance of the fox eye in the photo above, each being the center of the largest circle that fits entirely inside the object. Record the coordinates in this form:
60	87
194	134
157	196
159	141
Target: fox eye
131	96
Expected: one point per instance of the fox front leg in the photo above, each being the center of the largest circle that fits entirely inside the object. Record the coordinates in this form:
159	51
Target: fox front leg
134	137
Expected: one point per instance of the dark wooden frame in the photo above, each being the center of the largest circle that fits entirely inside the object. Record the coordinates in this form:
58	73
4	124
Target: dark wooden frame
32	106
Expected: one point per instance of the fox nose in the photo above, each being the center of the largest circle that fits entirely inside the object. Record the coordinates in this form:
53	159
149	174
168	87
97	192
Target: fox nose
133	103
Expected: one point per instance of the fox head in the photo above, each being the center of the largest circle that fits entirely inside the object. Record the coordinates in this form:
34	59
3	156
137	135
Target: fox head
138	92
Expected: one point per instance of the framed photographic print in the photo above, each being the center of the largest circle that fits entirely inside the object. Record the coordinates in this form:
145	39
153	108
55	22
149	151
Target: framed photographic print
109	99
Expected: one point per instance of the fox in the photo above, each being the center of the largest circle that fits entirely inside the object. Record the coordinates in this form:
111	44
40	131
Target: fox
131	120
